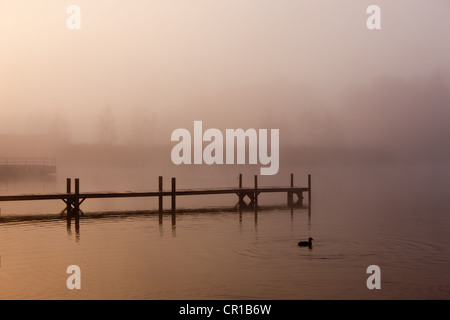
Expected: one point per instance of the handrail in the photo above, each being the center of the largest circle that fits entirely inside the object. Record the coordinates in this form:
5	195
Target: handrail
23	161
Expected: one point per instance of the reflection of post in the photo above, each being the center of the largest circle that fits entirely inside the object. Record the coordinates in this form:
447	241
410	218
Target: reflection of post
173	201
77	230
160	188
309	194
161	230
256	200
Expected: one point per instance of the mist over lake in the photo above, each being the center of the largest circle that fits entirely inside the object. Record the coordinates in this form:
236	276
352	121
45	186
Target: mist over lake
115	95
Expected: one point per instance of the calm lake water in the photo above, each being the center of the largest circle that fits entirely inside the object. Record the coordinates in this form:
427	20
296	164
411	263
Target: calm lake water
396	217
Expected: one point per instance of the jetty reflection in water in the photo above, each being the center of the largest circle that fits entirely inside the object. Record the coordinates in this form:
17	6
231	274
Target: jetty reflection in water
228	254
75	223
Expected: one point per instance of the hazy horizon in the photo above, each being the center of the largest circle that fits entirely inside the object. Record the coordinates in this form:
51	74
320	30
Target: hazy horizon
310	68
361	116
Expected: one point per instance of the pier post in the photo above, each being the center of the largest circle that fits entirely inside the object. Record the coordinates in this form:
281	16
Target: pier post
290	194
160	188
256	192
69	202
309	194
300	199
173	201
77	199
241	195
68	185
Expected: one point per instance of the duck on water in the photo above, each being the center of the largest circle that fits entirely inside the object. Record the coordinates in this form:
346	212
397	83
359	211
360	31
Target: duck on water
306	243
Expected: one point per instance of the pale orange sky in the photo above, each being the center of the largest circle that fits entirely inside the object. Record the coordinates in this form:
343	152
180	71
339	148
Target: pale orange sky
230	63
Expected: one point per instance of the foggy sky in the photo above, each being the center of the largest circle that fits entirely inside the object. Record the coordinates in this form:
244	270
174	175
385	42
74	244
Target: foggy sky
310	68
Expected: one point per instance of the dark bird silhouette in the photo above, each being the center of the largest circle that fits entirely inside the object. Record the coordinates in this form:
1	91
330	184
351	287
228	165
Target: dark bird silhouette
306	243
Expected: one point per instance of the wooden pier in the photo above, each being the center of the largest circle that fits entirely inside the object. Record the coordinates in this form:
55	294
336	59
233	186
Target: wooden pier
74	199
27	166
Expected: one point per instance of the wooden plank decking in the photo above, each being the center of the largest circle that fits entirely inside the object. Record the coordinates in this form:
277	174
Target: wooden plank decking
137	194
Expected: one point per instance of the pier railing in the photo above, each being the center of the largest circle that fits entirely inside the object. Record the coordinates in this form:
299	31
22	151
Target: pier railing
23	161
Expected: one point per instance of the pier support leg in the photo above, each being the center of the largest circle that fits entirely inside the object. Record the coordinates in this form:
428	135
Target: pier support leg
73	204
256	193
309	194
290	194
251	196
242	204
290	199
160	205
68	202
68	185
300	199
173	201
76	203
241	201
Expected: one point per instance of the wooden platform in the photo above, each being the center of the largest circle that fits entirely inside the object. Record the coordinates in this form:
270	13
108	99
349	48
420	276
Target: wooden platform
73	200
27	166
137	194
